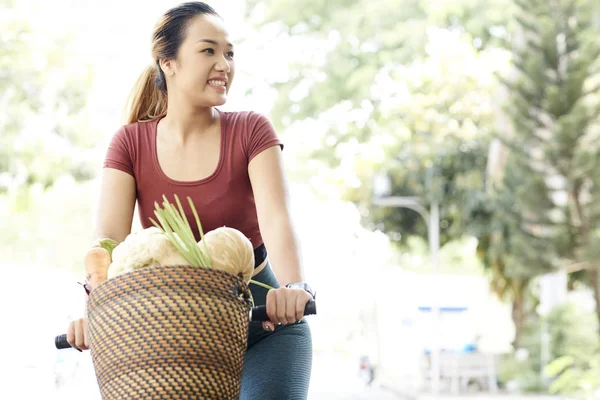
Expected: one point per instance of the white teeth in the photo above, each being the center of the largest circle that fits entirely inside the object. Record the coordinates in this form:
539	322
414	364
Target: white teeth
216	83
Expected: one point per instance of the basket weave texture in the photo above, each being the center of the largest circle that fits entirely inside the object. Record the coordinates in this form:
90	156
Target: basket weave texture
169	332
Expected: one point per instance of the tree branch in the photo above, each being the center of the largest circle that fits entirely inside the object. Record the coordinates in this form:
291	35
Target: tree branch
580	266
591	91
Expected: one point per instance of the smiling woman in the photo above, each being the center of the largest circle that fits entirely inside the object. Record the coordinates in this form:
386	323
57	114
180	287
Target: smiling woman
177	142
189	35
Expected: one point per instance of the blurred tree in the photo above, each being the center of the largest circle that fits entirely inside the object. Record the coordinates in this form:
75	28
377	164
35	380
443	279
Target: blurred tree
43	129
395	86
573	348
49	227
352	44
46	139
512	258
408	89
549	186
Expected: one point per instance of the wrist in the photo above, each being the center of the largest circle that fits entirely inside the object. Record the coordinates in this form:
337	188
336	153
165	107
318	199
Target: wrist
302	285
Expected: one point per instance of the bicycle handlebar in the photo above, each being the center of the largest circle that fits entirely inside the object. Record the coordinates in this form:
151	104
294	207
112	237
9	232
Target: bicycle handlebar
257	314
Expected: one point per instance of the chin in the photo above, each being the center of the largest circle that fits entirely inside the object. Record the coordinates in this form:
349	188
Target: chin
211	102
220	102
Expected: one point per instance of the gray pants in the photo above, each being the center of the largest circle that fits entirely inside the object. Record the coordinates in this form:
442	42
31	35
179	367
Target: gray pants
277	365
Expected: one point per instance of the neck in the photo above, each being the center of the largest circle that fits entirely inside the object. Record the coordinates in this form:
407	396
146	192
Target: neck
183	121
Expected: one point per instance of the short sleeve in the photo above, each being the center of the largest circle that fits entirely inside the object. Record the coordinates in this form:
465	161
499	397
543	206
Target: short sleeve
119	154
261	135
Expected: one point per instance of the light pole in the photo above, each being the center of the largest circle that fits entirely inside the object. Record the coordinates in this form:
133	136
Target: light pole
381	191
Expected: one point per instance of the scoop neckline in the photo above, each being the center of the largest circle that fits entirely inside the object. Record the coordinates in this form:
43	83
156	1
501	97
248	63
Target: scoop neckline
209	178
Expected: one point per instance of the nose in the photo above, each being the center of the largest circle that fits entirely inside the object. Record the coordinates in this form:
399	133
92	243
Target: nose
223	65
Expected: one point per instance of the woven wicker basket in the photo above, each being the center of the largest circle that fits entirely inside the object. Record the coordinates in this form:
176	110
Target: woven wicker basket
176	332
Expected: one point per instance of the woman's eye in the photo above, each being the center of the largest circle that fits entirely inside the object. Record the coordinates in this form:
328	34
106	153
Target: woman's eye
210	51
230	54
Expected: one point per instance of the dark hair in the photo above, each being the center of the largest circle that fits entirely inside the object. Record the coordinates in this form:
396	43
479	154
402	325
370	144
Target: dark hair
148	99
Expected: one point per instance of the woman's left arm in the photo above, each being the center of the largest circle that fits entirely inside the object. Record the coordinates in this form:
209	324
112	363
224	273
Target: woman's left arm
272	206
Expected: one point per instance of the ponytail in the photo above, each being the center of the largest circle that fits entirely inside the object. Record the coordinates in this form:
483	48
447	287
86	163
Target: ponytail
148	99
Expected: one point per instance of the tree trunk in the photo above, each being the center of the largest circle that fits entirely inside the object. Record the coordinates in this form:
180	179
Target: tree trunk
585	234
596	290
518	310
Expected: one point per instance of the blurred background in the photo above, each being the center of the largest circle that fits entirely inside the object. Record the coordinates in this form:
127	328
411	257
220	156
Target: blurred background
443	163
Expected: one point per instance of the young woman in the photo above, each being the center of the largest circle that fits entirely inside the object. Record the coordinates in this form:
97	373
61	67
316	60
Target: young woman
177	141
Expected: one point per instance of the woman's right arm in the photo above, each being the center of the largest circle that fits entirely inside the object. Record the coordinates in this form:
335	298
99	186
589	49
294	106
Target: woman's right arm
113	220
116	205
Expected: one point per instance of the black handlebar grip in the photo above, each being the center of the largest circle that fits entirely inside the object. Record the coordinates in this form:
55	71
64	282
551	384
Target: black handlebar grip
259	313
61	342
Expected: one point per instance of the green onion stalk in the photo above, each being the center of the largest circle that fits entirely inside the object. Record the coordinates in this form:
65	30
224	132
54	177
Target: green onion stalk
174	225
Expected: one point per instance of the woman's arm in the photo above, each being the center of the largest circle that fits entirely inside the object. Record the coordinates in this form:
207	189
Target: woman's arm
116	205
272	206
113	220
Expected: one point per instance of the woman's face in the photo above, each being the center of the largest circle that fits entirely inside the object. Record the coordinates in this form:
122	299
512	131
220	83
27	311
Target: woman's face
204	68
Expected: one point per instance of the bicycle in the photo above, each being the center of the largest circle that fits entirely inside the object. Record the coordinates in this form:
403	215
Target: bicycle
159	330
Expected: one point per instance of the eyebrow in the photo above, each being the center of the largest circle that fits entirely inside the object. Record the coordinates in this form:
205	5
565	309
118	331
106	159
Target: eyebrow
212	42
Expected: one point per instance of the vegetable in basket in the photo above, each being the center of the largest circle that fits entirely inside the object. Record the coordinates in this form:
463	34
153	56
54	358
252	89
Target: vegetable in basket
171	242
107	244
144	249
223	248
97	261
229	250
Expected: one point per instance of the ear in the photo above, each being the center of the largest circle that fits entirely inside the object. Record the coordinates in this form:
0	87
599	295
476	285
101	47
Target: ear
167	67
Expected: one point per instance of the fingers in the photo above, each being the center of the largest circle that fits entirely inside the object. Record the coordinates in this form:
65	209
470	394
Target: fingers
86	342
290	309
77	334
300	305
268	326
281	307
71	334
285	306
276	309
271	311
80	335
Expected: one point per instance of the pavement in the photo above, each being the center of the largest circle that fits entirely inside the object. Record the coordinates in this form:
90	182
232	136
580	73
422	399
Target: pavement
337	378
488	396
368	394
383	394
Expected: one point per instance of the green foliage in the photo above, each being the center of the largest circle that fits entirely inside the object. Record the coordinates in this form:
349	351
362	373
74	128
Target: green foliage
547	192
45	128
404	82
554	109
571	330
578	378
451	173
436	133
355	48
49	227
575	351
420	107
459	256
408	88
520	371
538	193
573	348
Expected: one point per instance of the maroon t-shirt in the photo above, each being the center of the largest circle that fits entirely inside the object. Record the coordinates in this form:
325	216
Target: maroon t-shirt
224	198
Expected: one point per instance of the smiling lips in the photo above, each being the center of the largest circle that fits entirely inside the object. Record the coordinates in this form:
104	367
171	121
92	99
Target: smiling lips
218	84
